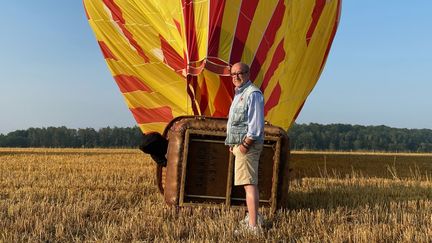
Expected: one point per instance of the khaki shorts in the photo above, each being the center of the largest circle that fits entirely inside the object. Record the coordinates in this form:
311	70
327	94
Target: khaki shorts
246	165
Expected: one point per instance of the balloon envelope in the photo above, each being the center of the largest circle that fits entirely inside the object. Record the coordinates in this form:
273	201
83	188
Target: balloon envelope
172	57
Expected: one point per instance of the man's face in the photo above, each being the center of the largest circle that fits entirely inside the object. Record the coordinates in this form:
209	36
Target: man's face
239	75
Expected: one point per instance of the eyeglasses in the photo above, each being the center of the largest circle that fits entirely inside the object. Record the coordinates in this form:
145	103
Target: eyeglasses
239	73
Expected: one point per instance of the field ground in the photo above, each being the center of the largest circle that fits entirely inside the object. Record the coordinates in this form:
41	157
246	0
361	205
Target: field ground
345	164
109	195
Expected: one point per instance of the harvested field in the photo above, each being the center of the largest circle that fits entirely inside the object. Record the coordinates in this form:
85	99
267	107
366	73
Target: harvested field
367	164
109	195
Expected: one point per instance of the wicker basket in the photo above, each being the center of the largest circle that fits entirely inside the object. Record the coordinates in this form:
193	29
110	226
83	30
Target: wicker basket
200	167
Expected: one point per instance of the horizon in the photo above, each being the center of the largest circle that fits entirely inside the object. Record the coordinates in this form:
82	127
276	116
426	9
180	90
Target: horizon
133	126
54	74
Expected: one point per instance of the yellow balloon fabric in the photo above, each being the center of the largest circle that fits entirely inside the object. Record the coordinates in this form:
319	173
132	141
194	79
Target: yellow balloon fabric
172	57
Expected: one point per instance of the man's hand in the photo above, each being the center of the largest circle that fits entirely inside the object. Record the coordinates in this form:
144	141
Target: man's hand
245	145
243	149
248	141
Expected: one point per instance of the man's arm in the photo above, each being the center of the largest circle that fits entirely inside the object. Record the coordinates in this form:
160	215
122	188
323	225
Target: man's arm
255	120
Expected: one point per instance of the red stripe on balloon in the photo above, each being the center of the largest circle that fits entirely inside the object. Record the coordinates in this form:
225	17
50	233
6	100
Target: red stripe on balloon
106	52
171	57
178	26
224	96
194	84
86	12
114	9
278	57
316	14
228	85
192	48
335	26
273	100
203	101
247	12
215	19
268	39
128	83
147	115
118	17
191	39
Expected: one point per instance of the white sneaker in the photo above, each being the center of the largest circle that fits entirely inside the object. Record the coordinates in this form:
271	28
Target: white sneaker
248	230
260	220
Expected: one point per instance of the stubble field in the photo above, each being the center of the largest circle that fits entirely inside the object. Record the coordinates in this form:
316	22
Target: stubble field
67	195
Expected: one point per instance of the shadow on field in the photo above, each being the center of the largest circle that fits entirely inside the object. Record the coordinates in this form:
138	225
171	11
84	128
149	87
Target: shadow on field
357	195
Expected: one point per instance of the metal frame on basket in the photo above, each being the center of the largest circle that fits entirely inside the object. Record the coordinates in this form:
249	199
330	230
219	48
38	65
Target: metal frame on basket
228	199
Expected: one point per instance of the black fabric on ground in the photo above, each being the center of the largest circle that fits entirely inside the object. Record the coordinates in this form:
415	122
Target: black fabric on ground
155	145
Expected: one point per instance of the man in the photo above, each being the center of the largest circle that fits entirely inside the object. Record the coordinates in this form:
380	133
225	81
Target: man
245	136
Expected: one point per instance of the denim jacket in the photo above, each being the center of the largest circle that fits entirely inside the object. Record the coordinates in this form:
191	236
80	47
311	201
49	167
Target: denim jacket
237	126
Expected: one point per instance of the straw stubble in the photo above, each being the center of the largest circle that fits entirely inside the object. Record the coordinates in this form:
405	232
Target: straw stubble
110	195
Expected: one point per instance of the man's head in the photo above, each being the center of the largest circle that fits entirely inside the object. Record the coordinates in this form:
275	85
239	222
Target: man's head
239	74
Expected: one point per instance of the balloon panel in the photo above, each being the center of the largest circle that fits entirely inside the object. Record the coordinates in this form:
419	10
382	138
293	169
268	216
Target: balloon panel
172	57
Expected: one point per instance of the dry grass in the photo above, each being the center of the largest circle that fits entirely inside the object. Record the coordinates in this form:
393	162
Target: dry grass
109	195
343	164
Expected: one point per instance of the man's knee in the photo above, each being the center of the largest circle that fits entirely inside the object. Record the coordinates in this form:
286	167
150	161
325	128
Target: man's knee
250	188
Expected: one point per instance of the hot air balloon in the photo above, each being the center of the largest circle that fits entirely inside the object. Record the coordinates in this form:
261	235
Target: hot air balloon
171	58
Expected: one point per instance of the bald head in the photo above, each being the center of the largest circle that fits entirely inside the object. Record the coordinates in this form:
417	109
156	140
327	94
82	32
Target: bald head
242	66
239	74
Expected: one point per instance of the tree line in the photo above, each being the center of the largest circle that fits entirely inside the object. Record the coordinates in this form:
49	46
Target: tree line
62	137
313	136
343	137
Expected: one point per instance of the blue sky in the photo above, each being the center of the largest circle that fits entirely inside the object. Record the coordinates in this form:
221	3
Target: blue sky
53	73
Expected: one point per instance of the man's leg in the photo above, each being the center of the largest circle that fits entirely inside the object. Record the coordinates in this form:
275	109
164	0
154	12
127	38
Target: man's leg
252	202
